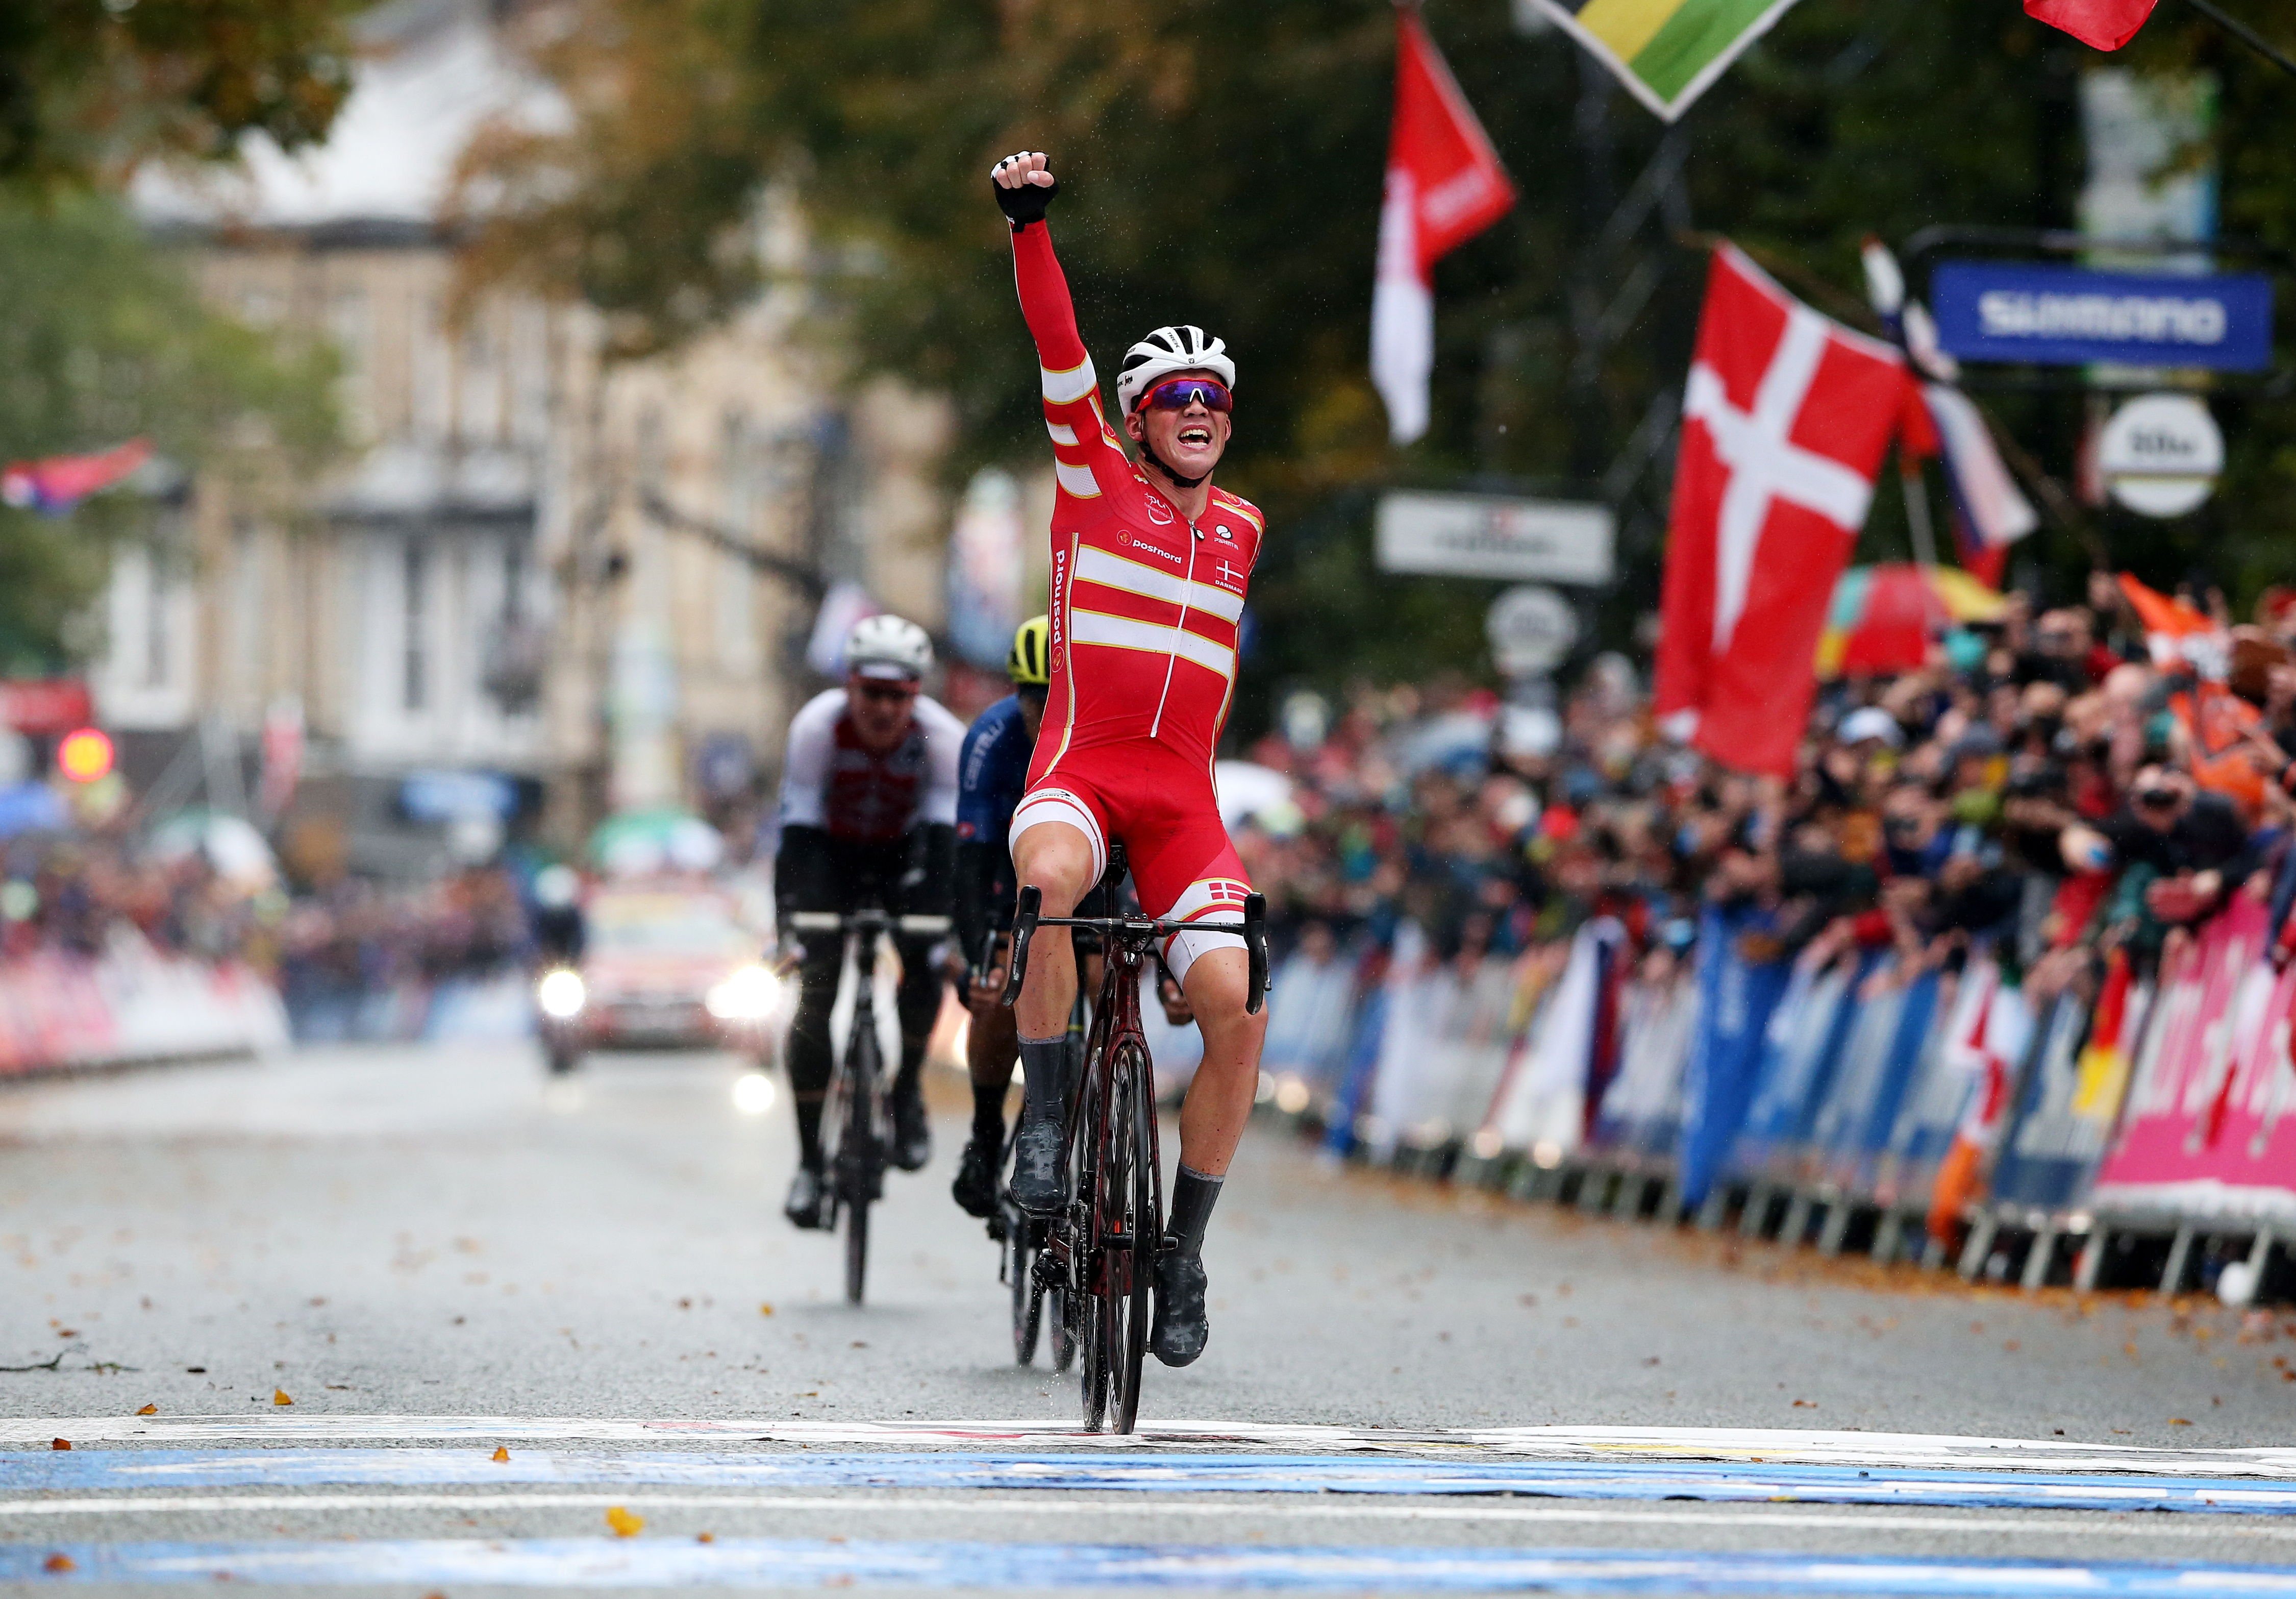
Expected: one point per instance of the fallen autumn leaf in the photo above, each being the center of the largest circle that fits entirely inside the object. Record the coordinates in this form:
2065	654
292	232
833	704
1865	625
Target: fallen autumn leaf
149	1410
502	1454
60	1443
279	1397
624	1524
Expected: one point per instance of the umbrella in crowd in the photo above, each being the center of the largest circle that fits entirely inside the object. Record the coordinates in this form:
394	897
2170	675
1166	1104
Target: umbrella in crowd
1884	617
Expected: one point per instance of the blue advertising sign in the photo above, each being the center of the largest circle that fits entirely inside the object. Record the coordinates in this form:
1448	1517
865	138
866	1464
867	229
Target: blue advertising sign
454	795
2071	317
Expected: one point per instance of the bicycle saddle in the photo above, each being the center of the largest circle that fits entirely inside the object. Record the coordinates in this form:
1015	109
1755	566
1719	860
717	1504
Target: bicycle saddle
1114	877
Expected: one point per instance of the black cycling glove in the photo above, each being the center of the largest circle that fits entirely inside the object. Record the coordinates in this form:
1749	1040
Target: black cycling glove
1025	204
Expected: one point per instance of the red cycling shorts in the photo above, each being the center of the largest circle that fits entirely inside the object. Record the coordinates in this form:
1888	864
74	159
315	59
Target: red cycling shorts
1161	807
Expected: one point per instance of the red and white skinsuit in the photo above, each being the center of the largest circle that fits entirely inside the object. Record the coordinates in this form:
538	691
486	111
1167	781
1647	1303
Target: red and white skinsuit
1144	611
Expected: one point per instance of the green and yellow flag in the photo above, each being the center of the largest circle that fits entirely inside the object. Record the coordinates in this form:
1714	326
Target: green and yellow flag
1665	51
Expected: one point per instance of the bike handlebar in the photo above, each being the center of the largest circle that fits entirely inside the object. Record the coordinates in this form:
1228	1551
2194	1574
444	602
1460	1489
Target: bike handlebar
1027	916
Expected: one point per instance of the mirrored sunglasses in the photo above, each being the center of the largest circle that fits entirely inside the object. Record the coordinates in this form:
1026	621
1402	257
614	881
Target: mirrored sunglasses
1182	393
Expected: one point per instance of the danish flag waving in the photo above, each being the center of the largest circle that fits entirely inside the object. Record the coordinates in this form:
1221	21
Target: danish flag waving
1784	425
1444	186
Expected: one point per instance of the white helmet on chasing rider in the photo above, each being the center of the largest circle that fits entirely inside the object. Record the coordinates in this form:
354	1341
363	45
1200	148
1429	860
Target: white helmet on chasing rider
1167	351
888	646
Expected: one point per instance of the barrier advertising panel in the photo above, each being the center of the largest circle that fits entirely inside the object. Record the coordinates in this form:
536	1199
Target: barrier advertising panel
2206	1132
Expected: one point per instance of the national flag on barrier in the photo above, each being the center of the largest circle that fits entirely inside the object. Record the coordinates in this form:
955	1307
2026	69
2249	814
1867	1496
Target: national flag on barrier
53	484
1444	186
1999	1027
2100	24
1784	421
1666	52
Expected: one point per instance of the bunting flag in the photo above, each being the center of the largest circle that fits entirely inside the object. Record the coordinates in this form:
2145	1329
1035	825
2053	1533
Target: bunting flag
1444	186
1666	52
54	485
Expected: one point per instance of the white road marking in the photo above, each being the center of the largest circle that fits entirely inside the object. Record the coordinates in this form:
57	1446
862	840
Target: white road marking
2084	1524
1763	1446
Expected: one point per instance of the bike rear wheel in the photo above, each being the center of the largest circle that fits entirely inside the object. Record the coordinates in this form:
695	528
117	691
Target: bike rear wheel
1020	1273
1131	1231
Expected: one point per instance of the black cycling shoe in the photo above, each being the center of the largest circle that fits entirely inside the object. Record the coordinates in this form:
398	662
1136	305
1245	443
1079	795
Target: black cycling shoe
1040	1168
806	1193
1179	1329
911	1132
975	1187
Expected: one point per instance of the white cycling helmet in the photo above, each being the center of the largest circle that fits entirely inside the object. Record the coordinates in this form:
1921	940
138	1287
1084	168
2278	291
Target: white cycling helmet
1165	351
888	646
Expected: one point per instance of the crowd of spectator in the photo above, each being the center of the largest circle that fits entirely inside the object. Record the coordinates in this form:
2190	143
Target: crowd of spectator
77	893
2045	784
356	959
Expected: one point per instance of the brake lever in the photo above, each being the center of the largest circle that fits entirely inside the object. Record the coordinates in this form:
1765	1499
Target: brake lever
1028	906
1255	949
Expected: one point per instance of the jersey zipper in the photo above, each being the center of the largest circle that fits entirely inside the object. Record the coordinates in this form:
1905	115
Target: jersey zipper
1172	657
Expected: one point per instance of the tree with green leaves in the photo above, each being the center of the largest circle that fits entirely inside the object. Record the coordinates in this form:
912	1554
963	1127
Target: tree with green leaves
105	339
89	87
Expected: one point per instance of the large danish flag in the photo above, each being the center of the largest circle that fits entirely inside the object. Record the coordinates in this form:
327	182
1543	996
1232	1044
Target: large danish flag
1784	423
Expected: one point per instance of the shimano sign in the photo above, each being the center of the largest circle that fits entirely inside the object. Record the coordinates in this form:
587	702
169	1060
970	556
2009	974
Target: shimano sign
2071	316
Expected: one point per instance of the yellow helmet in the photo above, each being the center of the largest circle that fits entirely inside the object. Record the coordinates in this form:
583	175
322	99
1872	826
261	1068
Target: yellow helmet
1030	665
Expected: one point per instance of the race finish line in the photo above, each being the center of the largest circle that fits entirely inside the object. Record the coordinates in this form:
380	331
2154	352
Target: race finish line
770	1476
792	1562
1753	1446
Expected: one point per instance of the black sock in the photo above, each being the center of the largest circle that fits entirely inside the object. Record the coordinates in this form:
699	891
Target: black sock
809	1129
989	1114
905	1084
1046	1063
1193	1195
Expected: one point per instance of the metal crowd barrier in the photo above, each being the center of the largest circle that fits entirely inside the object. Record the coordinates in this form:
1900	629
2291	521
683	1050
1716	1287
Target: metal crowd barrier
2140	1136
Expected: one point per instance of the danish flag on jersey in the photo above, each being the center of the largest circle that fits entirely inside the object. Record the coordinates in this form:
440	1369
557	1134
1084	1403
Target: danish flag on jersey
1783	425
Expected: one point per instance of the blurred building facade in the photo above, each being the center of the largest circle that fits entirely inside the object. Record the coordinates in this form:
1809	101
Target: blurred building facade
531	562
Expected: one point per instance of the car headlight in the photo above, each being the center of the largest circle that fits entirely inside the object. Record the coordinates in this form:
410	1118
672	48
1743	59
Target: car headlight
561	994
751	995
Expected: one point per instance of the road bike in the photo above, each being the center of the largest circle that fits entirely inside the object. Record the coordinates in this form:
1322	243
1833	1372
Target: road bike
1099	1253
855	1112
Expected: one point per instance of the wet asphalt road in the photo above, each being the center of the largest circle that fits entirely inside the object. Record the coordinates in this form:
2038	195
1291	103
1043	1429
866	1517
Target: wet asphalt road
443	1233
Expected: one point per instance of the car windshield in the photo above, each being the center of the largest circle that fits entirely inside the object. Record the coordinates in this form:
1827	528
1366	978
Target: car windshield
662	924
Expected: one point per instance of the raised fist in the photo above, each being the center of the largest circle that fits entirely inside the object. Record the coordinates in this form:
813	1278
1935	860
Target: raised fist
1023	186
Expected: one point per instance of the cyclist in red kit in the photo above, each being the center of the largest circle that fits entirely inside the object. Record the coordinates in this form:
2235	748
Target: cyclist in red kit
1149	568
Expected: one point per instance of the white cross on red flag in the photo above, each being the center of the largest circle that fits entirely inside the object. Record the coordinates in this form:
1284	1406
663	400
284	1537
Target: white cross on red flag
1784	425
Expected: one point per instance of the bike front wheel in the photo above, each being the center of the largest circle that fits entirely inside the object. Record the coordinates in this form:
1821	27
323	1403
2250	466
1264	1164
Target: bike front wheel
1131	1231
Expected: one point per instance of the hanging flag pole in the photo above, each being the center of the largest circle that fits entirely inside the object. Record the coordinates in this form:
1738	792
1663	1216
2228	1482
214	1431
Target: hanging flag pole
2245	34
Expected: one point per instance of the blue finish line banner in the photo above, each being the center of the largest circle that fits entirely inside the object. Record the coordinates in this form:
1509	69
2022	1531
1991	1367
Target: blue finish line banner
2071	317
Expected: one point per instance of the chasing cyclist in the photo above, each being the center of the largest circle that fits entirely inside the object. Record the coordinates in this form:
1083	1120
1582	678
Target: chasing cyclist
868	816
992	774
1149	567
